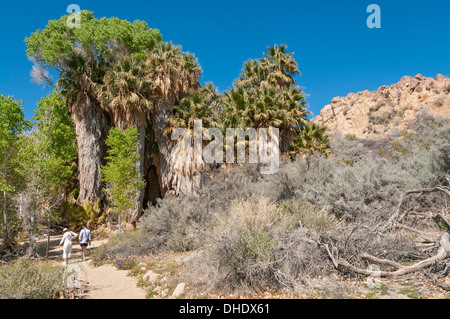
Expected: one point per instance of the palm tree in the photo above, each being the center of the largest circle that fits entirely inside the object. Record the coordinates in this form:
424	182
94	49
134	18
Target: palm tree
126	94
252	75
91	124
263	108
312	139
265	95
200	105
175	74
236	103
281	65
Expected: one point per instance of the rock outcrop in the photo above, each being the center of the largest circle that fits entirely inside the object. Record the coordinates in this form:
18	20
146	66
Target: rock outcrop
387	111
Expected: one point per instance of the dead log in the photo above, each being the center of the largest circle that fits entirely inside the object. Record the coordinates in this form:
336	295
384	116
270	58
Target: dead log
443	252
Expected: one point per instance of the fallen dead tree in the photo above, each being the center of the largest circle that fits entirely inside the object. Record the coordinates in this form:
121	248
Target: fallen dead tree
443	253
390	227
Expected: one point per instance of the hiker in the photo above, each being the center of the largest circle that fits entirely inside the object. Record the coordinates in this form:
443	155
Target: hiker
85	240
67	242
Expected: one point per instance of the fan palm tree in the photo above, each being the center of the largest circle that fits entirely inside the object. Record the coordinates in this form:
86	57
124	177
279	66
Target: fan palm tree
252	75
200	105
126	94
312	139
281	65
175	75
236	103
265	107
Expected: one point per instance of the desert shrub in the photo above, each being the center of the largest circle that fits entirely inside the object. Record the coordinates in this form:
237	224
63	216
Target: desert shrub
100	255
176	223
351	137
244	242
377	106
427	160
258	245
222	186
384	118
26	279
321	221
440	101
179	223
124	263
347	190
358	180
125	243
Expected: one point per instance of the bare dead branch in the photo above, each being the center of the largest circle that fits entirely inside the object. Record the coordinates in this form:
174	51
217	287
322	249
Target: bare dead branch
443	252
395	217
421	233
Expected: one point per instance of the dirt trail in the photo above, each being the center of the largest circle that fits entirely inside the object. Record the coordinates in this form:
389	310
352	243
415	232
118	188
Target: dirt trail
104	282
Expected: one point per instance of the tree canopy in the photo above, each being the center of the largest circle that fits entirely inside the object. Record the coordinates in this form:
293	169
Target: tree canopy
88	51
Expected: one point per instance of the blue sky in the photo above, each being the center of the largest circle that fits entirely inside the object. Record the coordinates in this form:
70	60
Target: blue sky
336	51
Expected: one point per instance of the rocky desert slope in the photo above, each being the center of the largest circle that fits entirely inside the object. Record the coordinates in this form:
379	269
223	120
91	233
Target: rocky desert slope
386	113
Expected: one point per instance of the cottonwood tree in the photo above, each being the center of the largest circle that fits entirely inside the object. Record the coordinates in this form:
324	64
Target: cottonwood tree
12	125
47	158
121	173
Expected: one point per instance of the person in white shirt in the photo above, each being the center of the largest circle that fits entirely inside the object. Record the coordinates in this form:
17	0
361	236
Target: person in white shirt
85	240
67	242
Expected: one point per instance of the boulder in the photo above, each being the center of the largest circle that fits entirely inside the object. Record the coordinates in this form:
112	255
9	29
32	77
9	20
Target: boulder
429	84
179	290
152	277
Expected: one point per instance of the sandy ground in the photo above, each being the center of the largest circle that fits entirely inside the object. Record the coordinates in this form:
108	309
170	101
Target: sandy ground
104	282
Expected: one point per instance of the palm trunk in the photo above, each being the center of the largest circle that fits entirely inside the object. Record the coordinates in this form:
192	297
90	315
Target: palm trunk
159	118
141	127
91	128
175	176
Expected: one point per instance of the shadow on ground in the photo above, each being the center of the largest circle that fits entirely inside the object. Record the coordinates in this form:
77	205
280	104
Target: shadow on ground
56	254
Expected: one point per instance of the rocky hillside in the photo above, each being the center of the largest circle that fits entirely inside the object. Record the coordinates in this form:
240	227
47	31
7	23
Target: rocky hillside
388	111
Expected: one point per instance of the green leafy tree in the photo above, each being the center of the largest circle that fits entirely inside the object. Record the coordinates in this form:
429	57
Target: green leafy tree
12	127
121	172
47	161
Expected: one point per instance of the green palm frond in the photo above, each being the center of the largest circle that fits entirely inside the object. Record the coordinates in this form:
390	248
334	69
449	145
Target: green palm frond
313	138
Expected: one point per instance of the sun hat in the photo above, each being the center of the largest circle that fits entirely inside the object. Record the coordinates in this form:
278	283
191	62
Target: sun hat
65	229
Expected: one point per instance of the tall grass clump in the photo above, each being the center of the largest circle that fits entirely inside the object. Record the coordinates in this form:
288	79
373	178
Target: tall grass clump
26	279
